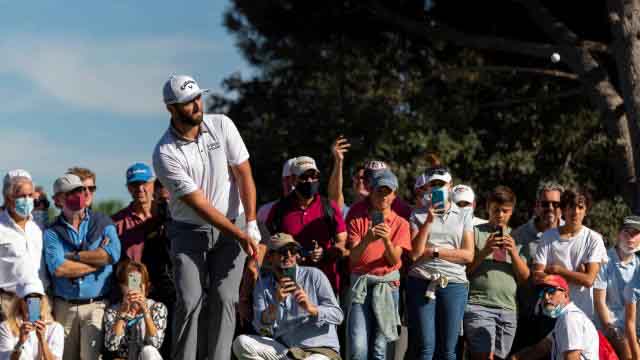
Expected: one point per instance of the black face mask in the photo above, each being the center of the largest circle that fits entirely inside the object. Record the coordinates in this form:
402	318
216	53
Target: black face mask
308	189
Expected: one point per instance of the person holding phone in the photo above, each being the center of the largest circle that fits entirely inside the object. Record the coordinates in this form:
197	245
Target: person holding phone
29	333
295	310
377	239
135	326
498	267
442	246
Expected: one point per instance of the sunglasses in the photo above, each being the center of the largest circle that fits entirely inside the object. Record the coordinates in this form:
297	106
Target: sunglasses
549	290
90	189
554	204
288	251
307	177
436	171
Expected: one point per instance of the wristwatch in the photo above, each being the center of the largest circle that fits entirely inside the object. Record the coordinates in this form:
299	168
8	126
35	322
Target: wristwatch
19	347
436	252
76	256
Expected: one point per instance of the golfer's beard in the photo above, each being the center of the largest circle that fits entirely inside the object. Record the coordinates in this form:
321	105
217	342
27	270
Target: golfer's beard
190	121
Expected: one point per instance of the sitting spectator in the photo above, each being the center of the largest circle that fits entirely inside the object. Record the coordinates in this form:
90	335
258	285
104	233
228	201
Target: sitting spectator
42	339
437	289
377	238
464	197
20	238
81	247
295	305
573	337
497	268
41	206
135	222
135	326
614	283
572	251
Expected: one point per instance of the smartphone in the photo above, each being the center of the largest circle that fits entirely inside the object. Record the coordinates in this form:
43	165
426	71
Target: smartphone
33	308
356	143
499	254
290	272
377	218
438	199
134	281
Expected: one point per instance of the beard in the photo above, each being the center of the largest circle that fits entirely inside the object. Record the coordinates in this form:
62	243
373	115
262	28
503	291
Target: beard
191	121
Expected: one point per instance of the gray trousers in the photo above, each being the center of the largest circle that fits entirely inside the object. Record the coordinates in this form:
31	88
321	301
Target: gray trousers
208	268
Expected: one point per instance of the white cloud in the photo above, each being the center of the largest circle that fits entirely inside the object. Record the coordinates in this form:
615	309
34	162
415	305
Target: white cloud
121	75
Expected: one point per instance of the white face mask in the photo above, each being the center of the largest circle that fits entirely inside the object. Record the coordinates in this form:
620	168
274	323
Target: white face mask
624	239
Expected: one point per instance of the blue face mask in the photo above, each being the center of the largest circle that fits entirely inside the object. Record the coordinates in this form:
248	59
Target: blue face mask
24	207
553	313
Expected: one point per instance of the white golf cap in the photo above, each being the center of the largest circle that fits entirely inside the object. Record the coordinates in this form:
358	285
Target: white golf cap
302	164
181	89
67	183
31	286
16	173
286	167
438	173
463	193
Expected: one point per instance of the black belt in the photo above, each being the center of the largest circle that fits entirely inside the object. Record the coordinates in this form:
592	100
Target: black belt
81	301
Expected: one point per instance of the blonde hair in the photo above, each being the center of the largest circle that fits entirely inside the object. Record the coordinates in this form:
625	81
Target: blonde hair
14	317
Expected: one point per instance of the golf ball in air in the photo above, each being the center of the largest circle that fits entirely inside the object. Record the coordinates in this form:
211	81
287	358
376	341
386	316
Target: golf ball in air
555	57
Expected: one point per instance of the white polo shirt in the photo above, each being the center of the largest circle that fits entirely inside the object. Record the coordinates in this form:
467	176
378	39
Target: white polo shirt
184	166
20	252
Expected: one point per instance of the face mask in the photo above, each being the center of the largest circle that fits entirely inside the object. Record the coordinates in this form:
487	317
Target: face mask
24	207
75	202
553	313
623	241
41	217
308	189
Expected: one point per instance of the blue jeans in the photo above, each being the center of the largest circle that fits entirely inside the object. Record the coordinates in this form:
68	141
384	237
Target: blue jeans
364	334
435	324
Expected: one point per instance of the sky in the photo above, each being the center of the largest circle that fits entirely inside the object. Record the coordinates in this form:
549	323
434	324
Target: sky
81	81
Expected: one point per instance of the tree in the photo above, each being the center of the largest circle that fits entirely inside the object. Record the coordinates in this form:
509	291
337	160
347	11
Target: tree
396	76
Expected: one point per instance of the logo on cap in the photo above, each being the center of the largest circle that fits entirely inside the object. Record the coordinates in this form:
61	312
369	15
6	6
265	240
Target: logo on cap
188	83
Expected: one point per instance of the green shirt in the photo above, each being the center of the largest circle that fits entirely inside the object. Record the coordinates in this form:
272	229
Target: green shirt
493	284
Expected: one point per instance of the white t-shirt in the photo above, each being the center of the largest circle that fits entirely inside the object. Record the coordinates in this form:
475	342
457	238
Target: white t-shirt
574	331
54	336
586	247
20	253
184	166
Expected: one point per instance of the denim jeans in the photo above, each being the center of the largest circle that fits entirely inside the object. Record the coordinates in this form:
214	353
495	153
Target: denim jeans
364	334
435	324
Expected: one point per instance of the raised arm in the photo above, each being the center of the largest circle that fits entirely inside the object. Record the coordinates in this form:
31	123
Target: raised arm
336	182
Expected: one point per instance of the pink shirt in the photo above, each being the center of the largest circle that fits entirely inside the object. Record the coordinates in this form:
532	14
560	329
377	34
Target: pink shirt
308	224
133	231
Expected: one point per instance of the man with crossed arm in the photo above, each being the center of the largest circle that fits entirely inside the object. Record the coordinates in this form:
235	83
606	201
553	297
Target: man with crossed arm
81	247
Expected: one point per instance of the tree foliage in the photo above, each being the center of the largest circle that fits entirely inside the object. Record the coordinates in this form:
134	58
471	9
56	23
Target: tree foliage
342	67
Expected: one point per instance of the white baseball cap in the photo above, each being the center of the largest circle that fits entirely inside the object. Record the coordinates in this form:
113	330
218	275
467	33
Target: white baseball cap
302	164
463	193
181	89
286	167
438	173
16	173
421	180
32	286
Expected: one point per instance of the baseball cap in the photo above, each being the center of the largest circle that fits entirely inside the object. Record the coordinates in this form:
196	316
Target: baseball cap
463	193
67	183
139	172
556	281
179	89
33	286
15	173
632	222
280	240
421	180
438	173
384	178
303	164
286	167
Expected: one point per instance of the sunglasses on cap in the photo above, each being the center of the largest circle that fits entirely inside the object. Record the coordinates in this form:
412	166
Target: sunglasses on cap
549	290
554	204
441	170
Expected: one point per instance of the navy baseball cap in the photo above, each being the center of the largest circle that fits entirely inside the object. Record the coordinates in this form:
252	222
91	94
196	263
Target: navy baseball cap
139	172
384	178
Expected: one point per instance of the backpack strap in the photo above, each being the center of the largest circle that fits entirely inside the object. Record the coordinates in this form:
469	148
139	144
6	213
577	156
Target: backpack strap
330	218
275	224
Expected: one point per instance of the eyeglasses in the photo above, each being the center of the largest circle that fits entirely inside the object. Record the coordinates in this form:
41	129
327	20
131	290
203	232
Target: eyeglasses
554	204
90	189
288	251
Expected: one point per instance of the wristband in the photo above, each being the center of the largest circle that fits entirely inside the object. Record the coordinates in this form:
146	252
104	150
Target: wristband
19	347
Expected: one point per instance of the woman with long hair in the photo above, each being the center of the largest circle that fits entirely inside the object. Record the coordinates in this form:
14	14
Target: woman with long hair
30	331
135	326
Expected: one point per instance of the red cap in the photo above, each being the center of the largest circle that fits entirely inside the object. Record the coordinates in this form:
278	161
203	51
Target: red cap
556	281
